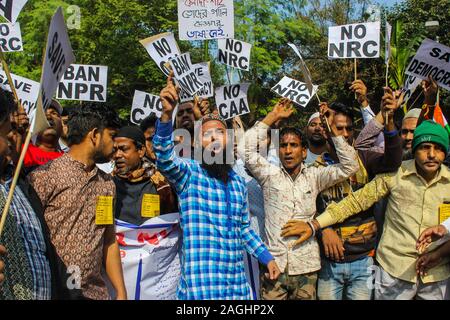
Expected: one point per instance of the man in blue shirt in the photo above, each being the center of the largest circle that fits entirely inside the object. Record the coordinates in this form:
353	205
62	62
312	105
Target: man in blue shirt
214	211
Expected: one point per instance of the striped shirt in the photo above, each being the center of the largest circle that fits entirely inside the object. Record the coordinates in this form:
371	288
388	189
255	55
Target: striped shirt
31	232
215	223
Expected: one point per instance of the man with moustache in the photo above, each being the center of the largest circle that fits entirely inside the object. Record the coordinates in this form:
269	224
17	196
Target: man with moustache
47	146
77	199
213	209
145	198
317	142
415	194
290	191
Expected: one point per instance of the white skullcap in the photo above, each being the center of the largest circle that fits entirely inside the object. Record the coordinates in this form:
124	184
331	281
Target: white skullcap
413	113
313	116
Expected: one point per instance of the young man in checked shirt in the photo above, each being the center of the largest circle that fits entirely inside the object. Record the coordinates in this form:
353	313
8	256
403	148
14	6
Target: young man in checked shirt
214	212
290	192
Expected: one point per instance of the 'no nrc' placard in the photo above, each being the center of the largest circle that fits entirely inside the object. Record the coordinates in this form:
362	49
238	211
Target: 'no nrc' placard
234	53
27	90
144	104
162	48
10	37
84	83
359	40
232	100
185	74
432	59
294	90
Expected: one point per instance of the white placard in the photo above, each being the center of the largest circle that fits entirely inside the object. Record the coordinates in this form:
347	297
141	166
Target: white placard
234	53
205	19
410	85
84	83
232	100
294	90
145	104
202	72
10	9
27	90
359	40
185	74
58	57
10	37
161	48
433	59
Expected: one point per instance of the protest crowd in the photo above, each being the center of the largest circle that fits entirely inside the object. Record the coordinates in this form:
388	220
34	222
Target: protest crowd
187	201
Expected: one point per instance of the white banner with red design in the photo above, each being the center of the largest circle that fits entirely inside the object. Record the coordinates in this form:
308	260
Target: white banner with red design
150	257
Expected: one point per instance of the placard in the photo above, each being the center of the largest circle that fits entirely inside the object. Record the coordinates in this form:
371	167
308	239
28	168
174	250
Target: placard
10	37
145	104
185	74
432	59
359	40
234	53
205	19
232	100
294	90
161	48
84	83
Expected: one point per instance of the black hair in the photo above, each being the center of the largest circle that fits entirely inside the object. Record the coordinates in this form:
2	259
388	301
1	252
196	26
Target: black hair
148	122
66	111
88	117
297	132
7	104
340	108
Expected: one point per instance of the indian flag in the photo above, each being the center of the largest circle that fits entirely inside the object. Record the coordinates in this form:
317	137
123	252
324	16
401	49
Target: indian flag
439	118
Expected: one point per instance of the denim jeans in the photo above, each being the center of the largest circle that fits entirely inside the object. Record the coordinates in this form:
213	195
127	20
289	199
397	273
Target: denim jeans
348	280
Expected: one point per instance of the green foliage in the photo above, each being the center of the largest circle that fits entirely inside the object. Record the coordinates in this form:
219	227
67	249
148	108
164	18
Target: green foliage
111	29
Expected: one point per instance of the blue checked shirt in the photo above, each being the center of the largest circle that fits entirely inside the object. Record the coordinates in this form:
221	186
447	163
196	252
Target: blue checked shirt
215	223
31	231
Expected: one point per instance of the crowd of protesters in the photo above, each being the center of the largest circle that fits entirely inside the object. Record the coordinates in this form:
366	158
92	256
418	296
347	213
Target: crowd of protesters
272	212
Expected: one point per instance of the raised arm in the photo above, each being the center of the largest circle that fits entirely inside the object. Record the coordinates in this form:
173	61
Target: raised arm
348	163
391	159
258	165
175	169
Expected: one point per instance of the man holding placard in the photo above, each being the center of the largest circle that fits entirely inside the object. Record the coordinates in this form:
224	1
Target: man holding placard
213	208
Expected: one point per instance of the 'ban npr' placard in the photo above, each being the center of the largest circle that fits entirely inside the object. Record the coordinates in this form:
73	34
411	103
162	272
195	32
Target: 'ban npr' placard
144	104
161	49
432	59
10	37
232	100
84	83
27	90
185	74
202	72
58	57
10	9
294	90
234	53
205	19
359	40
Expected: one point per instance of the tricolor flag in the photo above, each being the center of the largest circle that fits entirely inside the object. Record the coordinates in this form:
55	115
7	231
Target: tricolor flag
439	118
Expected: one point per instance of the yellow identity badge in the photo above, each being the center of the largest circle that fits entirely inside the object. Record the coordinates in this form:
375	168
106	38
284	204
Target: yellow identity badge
104	210
150	206
444	212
